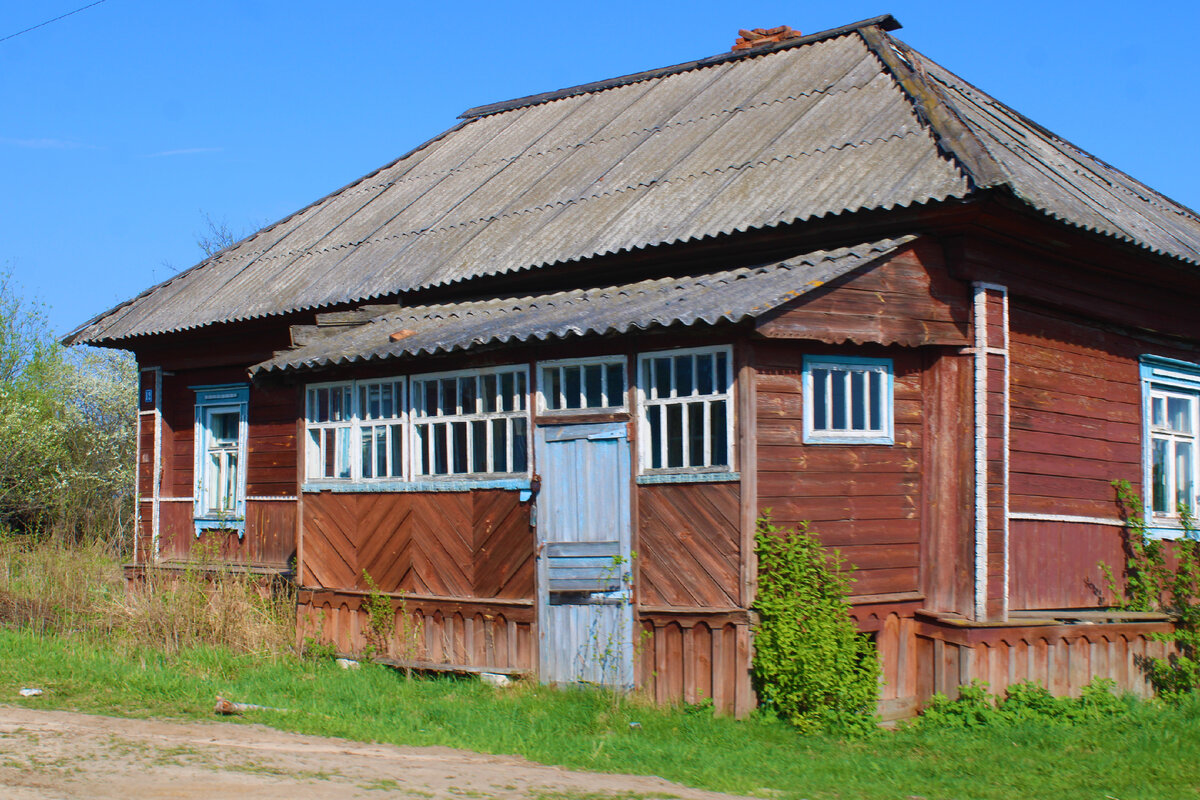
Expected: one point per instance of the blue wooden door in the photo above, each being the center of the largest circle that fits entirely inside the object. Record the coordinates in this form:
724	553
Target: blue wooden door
585	615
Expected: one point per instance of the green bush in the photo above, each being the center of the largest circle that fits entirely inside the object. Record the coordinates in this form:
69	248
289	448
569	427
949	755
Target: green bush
1023	702
1151	583
811	665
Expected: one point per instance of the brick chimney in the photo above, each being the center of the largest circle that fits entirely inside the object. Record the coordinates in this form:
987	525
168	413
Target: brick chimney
748	39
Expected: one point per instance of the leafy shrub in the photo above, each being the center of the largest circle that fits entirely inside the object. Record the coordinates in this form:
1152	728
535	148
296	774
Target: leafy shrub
1152	584
811	665
1023	702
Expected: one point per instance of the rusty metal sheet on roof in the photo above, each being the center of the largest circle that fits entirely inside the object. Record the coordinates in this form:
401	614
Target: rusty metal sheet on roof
746	143
728	295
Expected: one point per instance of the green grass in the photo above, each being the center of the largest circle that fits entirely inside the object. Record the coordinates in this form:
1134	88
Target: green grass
1149	751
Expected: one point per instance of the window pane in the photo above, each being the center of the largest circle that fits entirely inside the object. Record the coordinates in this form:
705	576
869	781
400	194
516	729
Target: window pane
648	379
654	418
572	388
520	446
489	393
381	451
223	428
479	447
1158	412
440	460
1159	476
397	452
552	387
343	452
449	390
704	374
684	385
432	406
837	399
367	462
507	388
662	377
616	385
858	400
875	398
674	435
820	400
593	385
1184	493
722	375
500	445
720	435
466	394
1179	414
522	392
695	427
459	444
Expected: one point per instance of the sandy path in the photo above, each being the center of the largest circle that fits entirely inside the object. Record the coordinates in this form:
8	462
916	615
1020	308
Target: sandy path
60	754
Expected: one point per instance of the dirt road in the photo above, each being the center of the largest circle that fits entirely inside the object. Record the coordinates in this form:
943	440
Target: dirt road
60	754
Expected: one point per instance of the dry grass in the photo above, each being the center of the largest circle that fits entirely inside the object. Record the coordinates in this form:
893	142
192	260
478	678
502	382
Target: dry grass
54	588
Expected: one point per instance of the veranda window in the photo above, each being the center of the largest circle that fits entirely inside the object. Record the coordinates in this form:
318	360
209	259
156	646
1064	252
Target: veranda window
582	385
330	416
686	409
473	423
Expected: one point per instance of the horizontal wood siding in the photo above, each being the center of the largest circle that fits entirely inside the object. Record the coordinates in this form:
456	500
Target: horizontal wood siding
452	544
435	632
863	500
269	538
1075	427
908	300
688	545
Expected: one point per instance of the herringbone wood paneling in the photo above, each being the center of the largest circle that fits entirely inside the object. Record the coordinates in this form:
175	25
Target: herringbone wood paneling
504	563
453	544
688	544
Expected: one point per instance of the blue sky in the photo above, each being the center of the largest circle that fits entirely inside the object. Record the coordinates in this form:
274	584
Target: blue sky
127	123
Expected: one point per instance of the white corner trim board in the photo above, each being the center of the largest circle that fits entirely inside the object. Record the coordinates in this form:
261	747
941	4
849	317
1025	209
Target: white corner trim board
984	348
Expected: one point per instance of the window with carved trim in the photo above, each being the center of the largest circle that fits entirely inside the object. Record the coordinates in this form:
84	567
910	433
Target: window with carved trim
1171	442
219	498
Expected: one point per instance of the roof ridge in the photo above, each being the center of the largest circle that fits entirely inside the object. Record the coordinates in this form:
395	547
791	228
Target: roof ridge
953	136
883	21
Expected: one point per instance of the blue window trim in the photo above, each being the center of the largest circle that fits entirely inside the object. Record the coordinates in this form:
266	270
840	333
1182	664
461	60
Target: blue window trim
450	485
688	477
811	436
231	394
1171	374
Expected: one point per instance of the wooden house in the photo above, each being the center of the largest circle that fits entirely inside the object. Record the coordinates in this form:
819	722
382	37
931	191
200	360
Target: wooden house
537	379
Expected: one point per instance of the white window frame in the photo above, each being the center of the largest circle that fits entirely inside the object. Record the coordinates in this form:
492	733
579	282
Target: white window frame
1163	378
354	424
885	434
543	407
210	400
418	417
647	398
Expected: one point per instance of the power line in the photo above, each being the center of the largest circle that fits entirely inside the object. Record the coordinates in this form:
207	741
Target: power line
47	22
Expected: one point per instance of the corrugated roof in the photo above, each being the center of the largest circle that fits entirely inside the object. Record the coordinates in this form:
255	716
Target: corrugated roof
727	295
833	123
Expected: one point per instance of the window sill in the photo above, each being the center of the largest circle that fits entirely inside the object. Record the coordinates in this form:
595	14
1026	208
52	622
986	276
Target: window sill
451	485
1164	529
217	524
848	440
688	477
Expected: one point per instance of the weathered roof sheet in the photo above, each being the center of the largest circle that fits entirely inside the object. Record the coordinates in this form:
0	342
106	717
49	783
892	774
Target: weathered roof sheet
828	124
728	295
747	142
